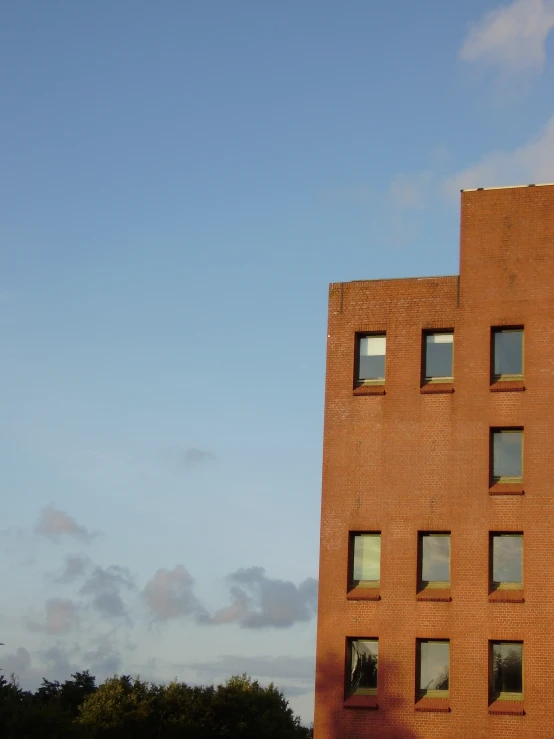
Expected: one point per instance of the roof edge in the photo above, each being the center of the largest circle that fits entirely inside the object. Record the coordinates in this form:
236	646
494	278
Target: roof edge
398	279
507	187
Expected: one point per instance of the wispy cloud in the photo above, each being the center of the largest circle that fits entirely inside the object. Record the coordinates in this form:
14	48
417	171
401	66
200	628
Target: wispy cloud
105	586
20	664
409	191
283	667
61	616
170	594
54	524
259	601
531	163
194	457
76	566
104	658
512	37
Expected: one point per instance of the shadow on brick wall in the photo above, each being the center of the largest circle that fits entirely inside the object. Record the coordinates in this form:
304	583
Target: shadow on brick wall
334	721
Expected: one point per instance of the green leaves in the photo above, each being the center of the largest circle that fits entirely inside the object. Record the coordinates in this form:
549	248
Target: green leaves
130	708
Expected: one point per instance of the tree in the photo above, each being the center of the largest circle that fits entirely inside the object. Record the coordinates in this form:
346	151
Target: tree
120	707
124	707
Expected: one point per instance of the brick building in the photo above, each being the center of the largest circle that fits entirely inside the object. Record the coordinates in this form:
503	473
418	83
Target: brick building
436	605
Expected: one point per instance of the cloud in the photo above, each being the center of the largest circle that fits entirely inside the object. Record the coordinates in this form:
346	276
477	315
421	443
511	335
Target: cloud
104	660
18	662
531	163
76	566
284	667
169	594
104	585
57	662
258	601
54	524
61	616
194	457
409	191
512	37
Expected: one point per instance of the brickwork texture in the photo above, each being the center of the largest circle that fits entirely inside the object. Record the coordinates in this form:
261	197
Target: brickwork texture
408	461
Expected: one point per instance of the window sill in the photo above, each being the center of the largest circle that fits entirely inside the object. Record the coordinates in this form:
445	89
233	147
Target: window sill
364	594
506	596
369	390
436	388
507	708
433	705
506	488
435	594
507	386
362	701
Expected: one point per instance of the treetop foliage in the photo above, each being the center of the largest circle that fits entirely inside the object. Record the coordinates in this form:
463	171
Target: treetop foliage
126	707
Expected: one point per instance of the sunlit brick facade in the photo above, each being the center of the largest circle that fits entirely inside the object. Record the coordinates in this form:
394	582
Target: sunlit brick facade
452	637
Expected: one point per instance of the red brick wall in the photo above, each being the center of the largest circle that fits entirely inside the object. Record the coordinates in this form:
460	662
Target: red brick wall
406	462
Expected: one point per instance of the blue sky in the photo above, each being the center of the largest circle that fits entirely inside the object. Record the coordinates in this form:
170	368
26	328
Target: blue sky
180	183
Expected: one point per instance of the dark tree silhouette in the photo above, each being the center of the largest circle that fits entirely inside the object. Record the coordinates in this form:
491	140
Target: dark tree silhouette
124	707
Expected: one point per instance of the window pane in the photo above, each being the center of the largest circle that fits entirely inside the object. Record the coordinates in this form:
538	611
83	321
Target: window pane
363	664
508	352
434	665
507	452
435	558
507	673
367	557
507	558
372	351
438	355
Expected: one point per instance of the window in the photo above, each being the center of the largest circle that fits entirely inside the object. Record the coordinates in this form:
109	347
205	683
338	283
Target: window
507	455
434	560
506	561
363	659
365	560
506	670
438	357
433	667
507	354
371	359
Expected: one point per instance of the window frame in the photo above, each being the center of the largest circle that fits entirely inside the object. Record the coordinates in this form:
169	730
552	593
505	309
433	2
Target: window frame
435	379
370	381
421	693
504	585
362	584
349	690
505	479
431	584
505	377
504	695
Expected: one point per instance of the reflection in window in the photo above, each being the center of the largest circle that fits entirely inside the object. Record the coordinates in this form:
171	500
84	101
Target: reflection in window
507	354
371	359
507	669
507	560
434	667
507	455
366	559
438	357
363	665
435	559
